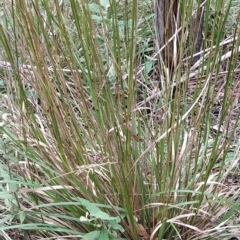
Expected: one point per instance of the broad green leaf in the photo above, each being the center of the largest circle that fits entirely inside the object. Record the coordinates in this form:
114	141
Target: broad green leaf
95	211
22	216
104	234
92	236
94	7
147	67
105	4
114	225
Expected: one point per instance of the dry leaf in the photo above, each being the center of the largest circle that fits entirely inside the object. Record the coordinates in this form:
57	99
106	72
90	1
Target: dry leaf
142	232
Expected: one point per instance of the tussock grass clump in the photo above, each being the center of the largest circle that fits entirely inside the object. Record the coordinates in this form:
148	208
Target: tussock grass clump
93	147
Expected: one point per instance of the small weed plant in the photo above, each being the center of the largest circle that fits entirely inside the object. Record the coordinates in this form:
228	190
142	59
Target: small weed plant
100	220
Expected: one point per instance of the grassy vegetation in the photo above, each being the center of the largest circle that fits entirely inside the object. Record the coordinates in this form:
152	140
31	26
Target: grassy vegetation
99	140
